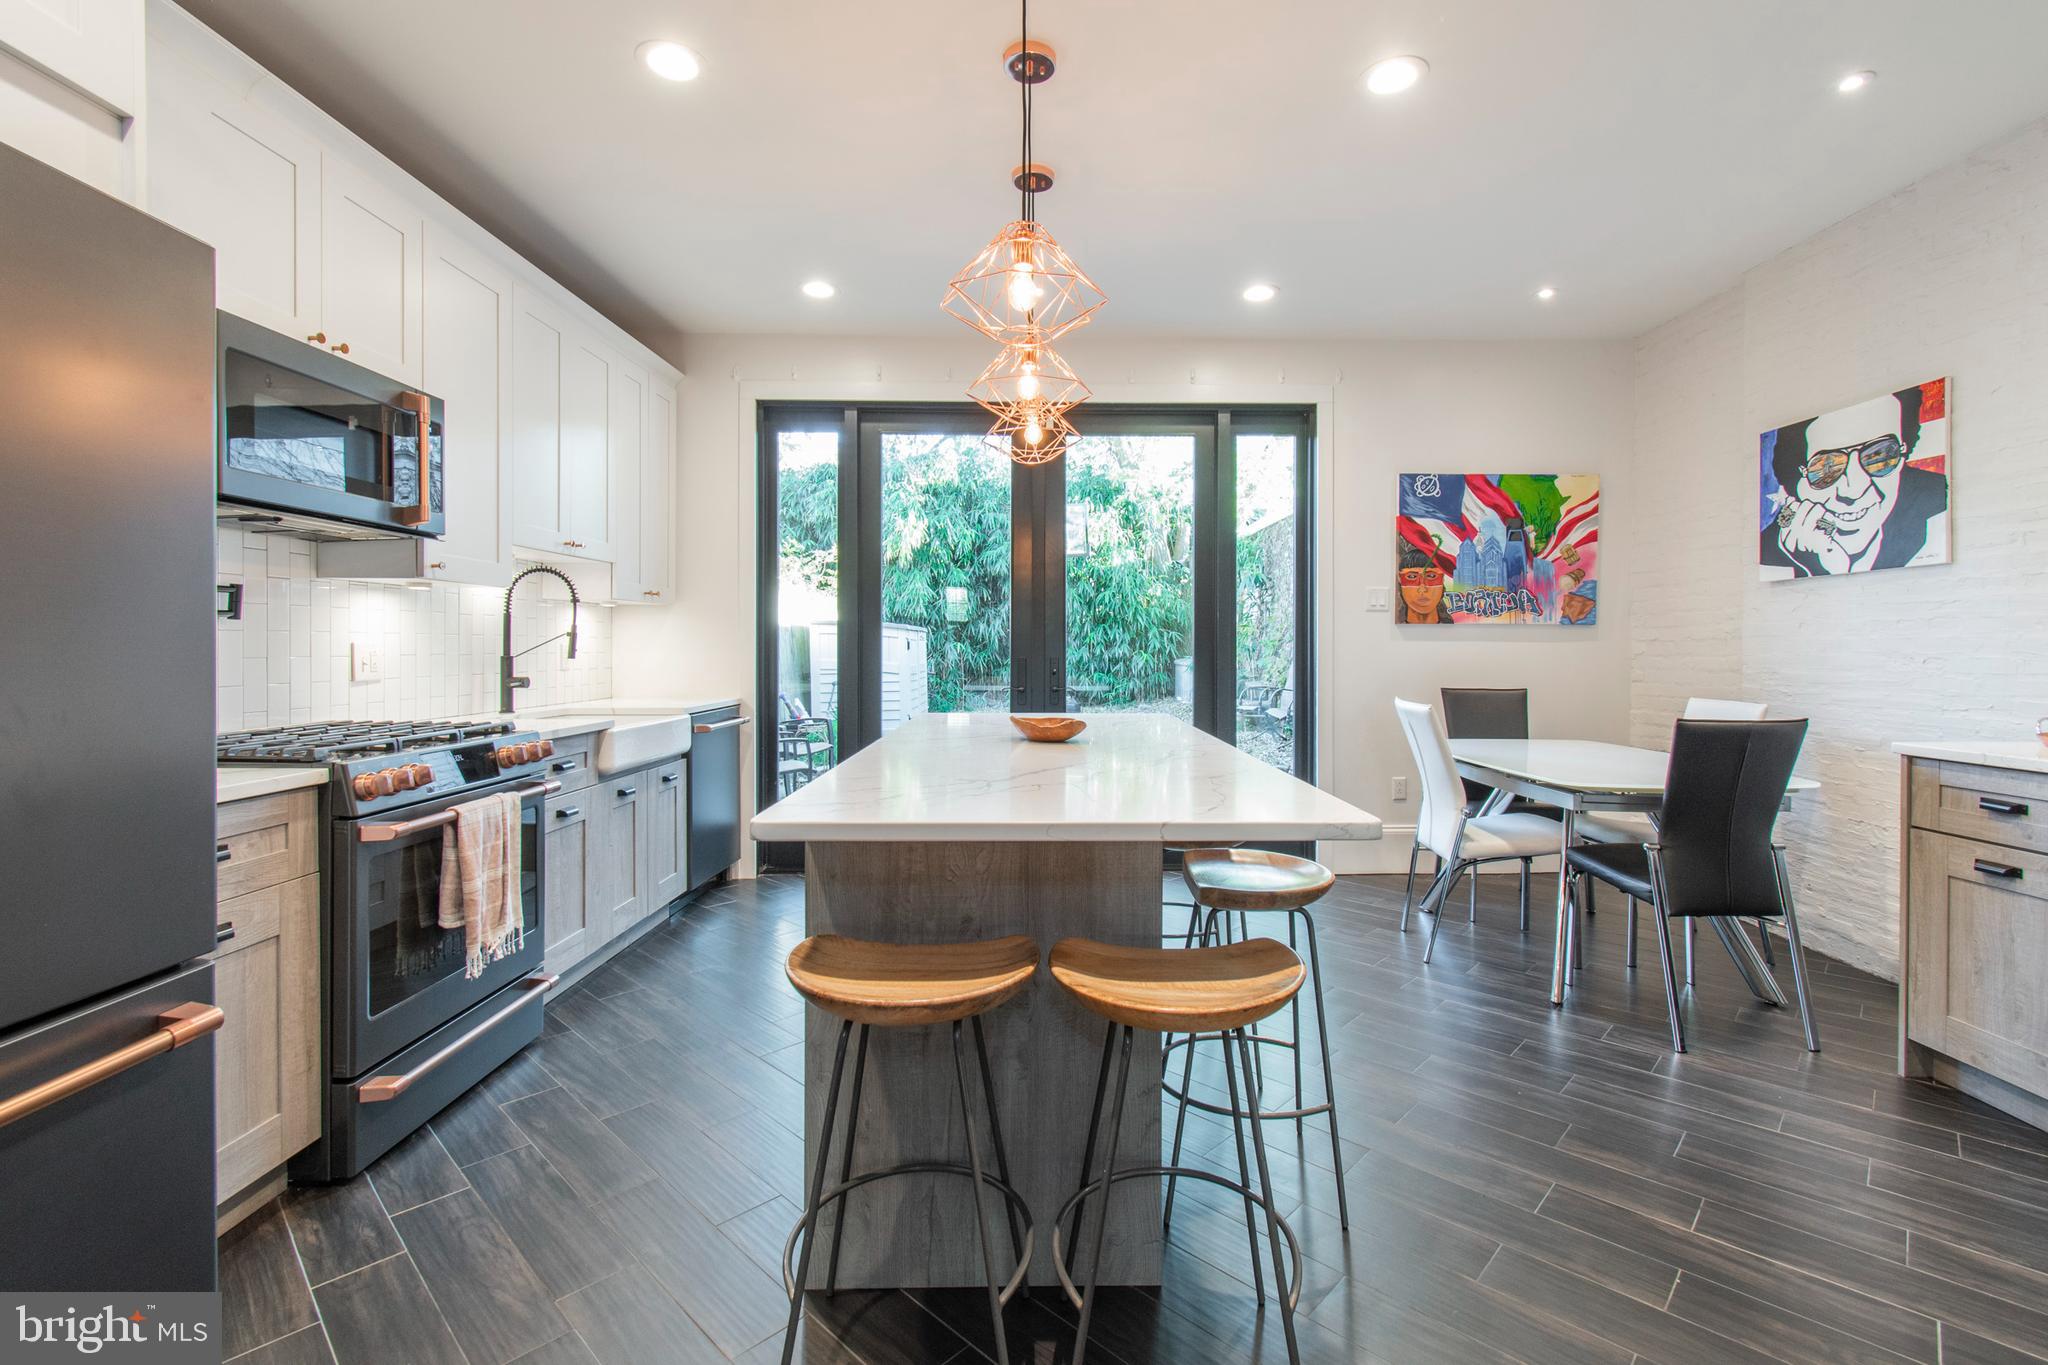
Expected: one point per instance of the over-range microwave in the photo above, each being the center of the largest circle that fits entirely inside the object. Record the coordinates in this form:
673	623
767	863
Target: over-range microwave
309	441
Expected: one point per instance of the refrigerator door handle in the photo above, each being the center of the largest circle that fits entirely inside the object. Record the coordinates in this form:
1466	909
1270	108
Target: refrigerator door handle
174	1028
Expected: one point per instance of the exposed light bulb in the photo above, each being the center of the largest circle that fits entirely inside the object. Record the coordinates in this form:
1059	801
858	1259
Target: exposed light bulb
1033	433
1024	294
1027	384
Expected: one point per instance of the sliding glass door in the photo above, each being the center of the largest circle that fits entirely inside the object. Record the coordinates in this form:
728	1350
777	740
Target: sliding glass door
1161	565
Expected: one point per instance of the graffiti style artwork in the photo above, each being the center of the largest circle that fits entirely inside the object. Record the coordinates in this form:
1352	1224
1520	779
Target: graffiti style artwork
1498	549
1856	490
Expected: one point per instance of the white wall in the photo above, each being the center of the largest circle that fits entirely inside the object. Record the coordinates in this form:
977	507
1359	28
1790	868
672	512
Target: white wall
1384	407
1947	277
286	661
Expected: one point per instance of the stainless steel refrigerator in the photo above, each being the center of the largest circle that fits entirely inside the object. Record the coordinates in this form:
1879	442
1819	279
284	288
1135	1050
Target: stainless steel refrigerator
106	742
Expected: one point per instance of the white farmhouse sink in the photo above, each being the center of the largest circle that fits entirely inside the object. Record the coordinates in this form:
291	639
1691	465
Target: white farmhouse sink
637	741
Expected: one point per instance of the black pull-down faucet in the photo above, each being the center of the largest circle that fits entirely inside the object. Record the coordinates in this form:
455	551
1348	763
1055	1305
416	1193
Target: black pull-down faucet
507	680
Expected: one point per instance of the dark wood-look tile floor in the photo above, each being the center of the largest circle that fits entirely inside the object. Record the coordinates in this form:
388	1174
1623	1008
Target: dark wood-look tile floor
1526	1184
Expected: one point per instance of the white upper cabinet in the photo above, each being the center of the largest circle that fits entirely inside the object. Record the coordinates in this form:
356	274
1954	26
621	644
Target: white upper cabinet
71	87
468	366
232	172
561	475
627	452
370	272
657	495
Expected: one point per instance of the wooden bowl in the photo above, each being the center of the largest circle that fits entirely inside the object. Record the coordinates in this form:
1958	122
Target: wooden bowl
1048	729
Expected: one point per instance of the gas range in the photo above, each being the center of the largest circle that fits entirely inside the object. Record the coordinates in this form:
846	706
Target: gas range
386	765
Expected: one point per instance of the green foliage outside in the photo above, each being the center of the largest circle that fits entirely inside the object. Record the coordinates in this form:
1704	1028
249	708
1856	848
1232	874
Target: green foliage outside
1130	533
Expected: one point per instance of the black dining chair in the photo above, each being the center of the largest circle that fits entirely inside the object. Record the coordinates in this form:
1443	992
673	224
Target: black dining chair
1485	713
1714	856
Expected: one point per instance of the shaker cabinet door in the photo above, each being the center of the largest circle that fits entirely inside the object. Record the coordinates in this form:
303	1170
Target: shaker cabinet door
1978	933
667	835
370	272
467	359
573	926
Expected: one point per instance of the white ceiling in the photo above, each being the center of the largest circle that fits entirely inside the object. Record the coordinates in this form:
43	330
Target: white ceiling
1637	154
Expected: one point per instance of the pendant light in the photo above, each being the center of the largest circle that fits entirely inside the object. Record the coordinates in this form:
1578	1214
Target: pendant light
1024	291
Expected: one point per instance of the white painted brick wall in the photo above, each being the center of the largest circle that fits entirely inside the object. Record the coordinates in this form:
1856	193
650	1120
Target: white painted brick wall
1947	277
286	661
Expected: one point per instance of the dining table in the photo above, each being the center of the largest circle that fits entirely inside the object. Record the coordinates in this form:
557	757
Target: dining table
1582	776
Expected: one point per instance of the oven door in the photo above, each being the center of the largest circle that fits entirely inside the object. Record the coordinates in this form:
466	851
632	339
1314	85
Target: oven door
394	975
309	433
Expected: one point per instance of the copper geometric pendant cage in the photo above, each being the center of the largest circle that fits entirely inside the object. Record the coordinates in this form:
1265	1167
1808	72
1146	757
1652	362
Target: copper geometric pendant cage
1023	285
1025	291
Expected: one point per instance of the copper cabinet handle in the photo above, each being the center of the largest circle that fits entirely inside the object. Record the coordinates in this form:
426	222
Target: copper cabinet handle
174	1028
377	834
719	725
650	592
573	544
320	337
341	347
378	1089
421	407
438	564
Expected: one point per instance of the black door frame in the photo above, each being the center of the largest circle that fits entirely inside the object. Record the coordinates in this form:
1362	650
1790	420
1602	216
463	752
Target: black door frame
1038	564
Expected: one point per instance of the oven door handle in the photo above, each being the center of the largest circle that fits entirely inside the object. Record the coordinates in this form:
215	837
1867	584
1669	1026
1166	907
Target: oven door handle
377	834
378	1089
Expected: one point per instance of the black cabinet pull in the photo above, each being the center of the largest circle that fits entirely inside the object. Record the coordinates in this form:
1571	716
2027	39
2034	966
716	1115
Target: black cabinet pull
625	792
1998	807
669	777
566	765
223	932
221	853
2005	870
568	812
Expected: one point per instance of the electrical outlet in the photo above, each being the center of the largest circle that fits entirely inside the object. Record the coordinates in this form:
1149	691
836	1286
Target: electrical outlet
1400	789
365	662
1376	599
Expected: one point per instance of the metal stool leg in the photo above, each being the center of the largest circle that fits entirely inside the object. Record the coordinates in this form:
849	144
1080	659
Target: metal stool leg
1315	979
1116	1126
1187	1075
1244	1170
988	1251
1294	1032
1094	1121
995	1131
860	1071
1272	1216
803	1267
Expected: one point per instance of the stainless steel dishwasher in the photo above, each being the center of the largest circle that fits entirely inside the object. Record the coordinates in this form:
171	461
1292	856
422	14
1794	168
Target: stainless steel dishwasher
714	764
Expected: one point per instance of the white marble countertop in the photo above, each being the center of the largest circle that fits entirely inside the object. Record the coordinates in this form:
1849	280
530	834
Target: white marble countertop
2020	755
1126	778
240	781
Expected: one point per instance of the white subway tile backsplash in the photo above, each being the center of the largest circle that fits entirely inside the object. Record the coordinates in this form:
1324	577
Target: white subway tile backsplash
286	661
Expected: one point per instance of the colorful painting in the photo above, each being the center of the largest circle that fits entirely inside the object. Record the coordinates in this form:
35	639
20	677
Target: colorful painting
1856	490
1498	549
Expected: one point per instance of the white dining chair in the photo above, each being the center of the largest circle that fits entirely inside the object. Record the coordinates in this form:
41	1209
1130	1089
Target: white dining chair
1627	827
1460	841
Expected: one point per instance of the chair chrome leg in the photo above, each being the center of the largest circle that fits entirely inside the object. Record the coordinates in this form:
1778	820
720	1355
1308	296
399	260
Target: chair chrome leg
1795	952
1244	1172
1472	895
1664	952
1525	895
803	1262
1116	1128
1408	896
995	1132
988	1250
860	1071
1436	921
1763	938
1280	1285
1691	931
1631	931
1315	979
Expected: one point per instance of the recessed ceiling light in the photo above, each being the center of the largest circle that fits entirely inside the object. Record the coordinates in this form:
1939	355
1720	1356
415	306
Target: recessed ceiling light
1546	294
1259	293
670	61
1394	75
1855	81
819	289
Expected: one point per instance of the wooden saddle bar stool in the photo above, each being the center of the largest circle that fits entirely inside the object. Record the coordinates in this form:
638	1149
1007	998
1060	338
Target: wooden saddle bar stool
1218	991
898	985
1224	881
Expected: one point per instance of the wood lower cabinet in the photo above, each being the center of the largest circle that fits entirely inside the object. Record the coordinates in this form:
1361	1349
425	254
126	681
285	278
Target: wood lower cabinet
267	982
1974	932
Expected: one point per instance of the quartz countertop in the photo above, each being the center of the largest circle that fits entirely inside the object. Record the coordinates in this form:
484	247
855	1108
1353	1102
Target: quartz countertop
589	717
1127	778
240	781
2020	755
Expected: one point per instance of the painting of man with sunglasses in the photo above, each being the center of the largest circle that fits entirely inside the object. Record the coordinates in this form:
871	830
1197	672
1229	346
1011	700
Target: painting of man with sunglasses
1859	489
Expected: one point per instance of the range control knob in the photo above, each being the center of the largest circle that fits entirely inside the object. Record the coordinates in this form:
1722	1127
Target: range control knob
508	757
383	777
547	748
365	786
422	775
534	753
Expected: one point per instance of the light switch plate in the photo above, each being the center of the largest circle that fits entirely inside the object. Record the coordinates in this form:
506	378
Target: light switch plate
1376	599
365	662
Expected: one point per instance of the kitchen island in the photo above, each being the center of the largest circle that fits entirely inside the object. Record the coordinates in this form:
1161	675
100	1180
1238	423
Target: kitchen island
954	827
